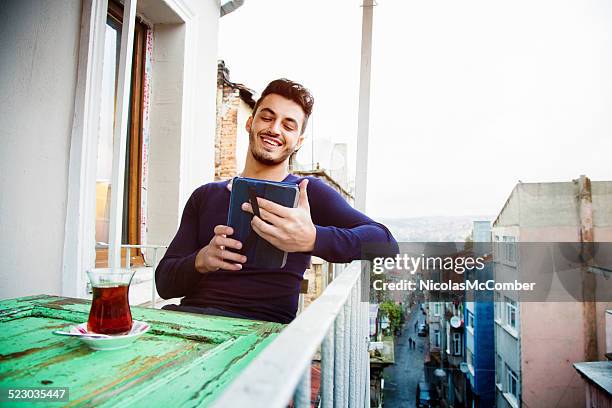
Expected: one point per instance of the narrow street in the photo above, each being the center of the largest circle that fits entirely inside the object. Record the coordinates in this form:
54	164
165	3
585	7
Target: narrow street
401	379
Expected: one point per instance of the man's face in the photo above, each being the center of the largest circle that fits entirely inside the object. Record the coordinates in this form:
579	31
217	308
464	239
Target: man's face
275	132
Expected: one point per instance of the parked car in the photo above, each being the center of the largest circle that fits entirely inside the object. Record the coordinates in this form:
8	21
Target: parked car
423	330
426	396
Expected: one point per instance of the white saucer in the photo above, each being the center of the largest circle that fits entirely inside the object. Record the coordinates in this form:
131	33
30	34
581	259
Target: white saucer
113	342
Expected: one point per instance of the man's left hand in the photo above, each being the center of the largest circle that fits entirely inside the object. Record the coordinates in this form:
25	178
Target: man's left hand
288	229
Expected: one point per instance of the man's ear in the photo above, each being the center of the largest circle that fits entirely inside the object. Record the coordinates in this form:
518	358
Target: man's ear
248	124
300	142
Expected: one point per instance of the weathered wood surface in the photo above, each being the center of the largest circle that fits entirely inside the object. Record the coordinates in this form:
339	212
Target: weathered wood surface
185	360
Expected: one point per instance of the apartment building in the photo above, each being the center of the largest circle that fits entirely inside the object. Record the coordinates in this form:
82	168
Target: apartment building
536	342
479	327
445	317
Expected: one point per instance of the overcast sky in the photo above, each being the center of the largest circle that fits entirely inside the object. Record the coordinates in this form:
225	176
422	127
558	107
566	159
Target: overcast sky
468	97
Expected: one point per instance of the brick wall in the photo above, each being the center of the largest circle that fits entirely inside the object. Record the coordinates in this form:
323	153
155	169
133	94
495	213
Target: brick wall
228	99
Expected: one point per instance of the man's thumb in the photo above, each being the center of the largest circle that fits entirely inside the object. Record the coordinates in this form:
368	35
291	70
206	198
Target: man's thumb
303	200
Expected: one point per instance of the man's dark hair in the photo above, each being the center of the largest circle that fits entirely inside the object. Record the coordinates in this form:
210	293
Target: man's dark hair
292	91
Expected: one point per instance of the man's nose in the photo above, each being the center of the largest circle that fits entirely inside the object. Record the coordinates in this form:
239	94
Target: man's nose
275	127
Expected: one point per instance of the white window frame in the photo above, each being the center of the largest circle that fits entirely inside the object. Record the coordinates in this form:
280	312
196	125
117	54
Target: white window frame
511	310
499	366
469	359
437	309
470	320
457	347
437	338
498	310
79	238
511	377
509	249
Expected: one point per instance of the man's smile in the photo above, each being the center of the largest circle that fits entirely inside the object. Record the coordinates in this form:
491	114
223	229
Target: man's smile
271	141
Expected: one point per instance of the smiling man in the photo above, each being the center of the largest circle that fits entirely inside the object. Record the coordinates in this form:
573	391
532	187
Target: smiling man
199	265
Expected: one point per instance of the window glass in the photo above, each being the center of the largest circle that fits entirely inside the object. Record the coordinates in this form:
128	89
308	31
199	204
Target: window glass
104	166
457	344
511	311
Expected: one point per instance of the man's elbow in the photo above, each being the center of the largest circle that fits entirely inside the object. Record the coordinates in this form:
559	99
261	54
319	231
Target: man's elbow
164	290
388	245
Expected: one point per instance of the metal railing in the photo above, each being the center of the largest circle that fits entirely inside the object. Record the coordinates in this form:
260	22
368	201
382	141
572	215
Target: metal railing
128	262
338	323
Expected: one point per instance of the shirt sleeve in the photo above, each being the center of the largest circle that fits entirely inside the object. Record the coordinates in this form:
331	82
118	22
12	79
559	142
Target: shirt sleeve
176	275
343	233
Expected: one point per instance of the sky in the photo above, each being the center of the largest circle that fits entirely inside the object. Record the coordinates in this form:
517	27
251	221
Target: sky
468	97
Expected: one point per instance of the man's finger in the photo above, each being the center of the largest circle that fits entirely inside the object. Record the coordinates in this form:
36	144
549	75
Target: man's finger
262	228
265	214
270	218
303	200
227	242
272	207
223	230
233	256
229	266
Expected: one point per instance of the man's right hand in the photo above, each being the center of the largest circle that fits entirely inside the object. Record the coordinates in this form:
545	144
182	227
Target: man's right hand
215	255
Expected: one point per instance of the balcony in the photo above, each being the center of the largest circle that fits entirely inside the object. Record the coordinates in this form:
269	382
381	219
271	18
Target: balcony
228	362
336	324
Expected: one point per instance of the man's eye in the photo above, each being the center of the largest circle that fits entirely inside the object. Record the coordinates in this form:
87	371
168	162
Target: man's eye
266	119
289	128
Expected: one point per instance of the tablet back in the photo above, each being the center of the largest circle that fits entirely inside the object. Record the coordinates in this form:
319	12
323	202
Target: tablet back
259	252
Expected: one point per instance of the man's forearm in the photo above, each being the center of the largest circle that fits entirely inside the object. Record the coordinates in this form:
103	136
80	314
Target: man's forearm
343	245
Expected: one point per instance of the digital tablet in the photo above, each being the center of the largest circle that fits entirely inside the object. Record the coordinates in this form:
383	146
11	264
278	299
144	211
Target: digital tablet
259	252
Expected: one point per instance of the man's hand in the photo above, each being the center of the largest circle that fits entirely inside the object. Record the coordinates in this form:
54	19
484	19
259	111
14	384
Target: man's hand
288	229
215	255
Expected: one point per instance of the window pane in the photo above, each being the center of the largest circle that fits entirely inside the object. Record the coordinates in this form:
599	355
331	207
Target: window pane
104	168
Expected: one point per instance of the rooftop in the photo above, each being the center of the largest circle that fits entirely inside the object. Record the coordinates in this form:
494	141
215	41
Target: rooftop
598	373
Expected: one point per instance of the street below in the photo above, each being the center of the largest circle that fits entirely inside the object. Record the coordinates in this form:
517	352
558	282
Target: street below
401	379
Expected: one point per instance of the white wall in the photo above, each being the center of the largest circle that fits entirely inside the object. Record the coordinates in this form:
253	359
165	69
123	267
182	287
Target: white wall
165	132
200	143
38	73
38	61
183	108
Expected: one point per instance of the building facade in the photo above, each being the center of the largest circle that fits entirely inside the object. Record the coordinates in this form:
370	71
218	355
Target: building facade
537	342
480	342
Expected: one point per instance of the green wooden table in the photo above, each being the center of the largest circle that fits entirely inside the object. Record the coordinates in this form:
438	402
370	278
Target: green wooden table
185	360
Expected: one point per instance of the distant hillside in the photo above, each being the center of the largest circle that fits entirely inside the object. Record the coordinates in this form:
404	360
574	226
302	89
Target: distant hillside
432	229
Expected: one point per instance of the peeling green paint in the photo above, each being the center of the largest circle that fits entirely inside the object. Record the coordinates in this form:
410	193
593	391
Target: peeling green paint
185	360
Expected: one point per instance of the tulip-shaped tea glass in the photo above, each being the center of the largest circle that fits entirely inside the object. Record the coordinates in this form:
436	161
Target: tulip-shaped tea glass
110	309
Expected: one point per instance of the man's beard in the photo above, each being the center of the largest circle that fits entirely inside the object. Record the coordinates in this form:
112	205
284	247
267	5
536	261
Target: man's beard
263	156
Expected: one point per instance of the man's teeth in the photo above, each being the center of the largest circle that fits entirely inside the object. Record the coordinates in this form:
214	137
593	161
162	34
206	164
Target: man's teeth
271	142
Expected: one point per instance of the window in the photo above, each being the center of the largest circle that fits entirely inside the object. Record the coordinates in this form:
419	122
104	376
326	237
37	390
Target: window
498	370
511	313
498	309
436	338
436	309
457	350
469	359
510	249
511	382
131	223
470	320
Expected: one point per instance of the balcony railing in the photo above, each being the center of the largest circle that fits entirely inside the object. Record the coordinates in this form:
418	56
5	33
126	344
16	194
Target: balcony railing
337	322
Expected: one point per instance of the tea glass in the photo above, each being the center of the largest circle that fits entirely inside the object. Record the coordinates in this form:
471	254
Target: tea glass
110	310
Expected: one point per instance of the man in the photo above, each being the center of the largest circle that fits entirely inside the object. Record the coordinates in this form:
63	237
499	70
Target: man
199	265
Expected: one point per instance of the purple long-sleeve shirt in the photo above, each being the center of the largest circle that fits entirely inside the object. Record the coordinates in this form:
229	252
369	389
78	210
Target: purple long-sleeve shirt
257	293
